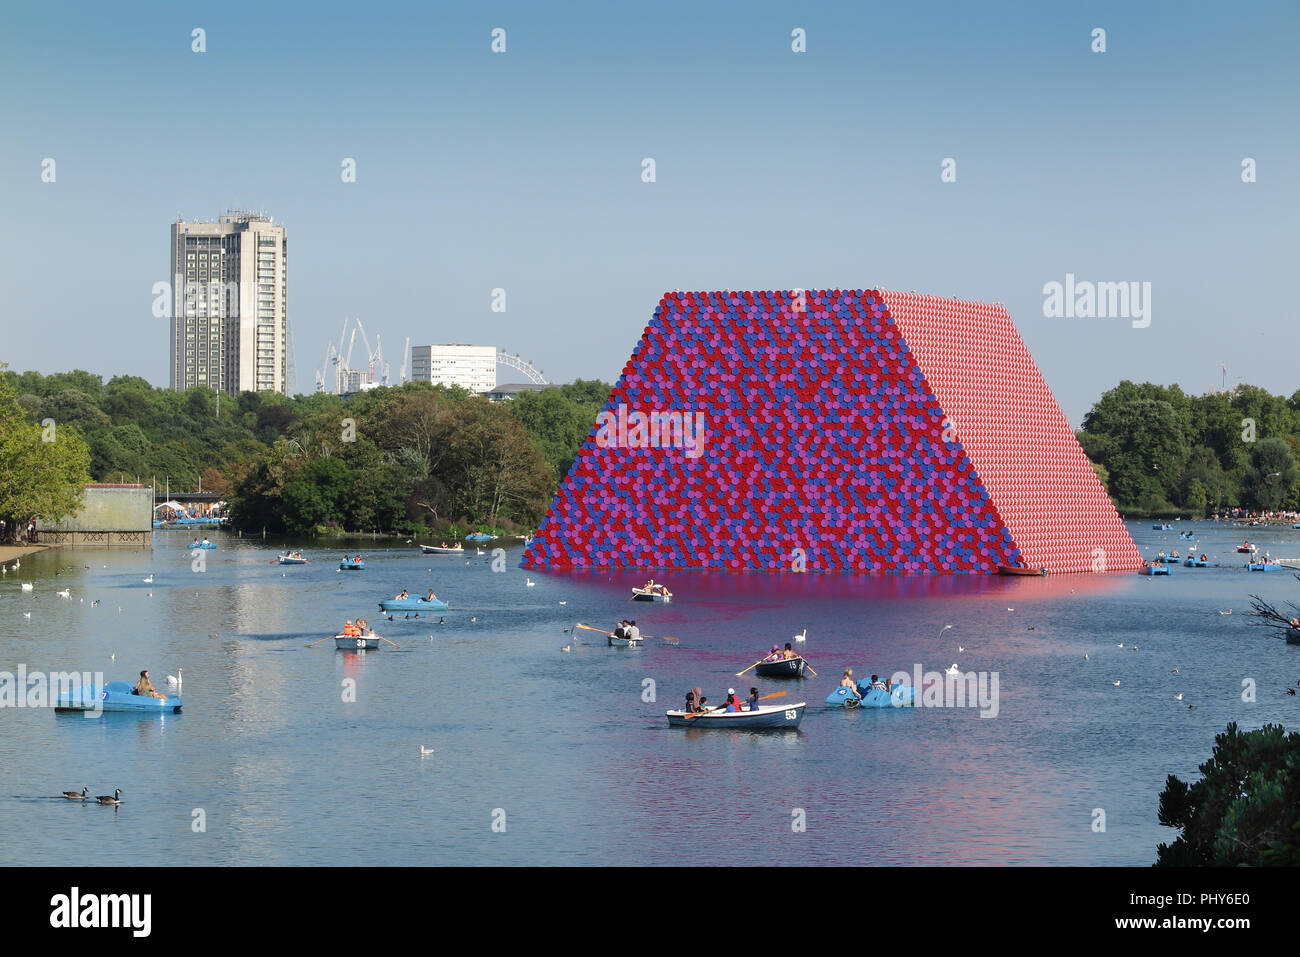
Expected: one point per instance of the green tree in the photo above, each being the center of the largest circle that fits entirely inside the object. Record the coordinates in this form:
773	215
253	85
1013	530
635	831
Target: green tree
1245	809
318	495
1271	478
43	472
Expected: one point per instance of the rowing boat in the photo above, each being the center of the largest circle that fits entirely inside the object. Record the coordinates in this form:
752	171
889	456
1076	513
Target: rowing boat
899	696
1021	570
413	604
1247	548
440	550
356	642
772	717
649	594
116	696
352	566
781	668
617	642
286	560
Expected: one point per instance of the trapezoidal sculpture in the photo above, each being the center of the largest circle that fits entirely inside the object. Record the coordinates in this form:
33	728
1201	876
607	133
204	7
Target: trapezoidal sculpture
831	430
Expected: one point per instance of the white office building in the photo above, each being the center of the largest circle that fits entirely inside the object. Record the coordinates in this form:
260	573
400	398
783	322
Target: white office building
470	367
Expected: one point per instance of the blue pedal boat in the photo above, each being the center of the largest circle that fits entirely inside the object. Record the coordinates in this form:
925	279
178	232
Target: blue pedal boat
116	696
1154	570
352	566
208	545
769	718
1190	562
478	537
900	696
413	604
1162	528
1264	567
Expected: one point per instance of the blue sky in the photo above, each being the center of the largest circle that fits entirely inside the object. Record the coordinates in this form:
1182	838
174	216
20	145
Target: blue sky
774	169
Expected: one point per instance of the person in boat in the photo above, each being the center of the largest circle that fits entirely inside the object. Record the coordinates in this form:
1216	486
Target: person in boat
431	596
620	630
774	654
752	700
194	544
633	632
876	684
789	652
691	707
848	682
144	687
358	560
401	595
1203	558
349	630
704	704
732	703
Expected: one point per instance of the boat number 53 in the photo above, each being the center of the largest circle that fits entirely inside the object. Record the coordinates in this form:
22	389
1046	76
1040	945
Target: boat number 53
791	715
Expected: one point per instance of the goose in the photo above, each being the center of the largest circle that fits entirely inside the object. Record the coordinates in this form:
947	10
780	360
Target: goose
1174	672
115	799
425	752
1290	691
528	582
149	580
1191	707
802	636
954	670
27	586
177	678
74	796
1179	696
66	593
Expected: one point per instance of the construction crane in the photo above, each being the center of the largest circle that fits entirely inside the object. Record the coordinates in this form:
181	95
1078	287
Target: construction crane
406	355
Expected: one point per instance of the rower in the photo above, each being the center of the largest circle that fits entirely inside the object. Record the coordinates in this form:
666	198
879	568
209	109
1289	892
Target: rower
789	652
774	654
633	632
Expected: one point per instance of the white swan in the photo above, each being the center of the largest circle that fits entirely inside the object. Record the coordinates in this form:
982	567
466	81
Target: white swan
27	586
529	582
802	636
149	580
954	670
425	752
66	593
177	678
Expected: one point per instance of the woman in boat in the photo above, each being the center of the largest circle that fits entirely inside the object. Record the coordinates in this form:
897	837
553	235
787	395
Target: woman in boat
1203	558
400	595
145	688
752	701
774	654
691	707
431	596
848	682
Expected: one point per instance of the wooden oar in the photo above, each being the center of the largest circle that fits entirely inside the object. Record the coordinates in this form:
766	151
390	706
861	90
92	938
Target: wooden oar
393	643
326	638
603	631
774	694
740	674
809	667
663	638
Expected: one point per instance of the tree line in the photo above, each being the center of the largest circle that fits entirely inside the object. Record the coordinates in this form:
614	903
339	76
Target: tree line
404	458
1160	451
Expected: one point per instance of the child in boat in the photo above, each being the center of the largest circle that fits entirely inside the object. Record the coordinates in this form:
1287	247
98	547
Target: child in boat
691	707
752	701
732	703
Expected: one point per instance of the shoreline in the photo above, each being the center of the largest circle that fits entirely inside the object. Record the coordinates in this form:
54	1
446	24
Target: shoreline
9	552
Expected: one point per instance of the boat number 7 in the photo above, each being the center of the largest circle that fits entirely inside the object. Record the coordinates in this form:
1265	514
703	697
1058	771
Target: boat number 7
791	715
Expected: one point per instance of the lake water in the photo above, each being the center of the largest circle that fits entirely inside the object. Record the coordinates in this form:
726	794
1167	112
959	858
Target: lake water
561	748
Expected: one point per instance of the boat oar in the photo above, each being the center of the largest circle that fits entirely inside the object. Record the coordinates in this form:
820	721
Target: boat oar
393	643
326	638
809	667
740	674
663	638
603	631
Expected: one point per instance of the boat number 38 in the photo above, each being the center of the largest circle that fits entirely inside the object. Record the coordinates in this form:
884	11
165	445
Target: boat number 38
791	715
